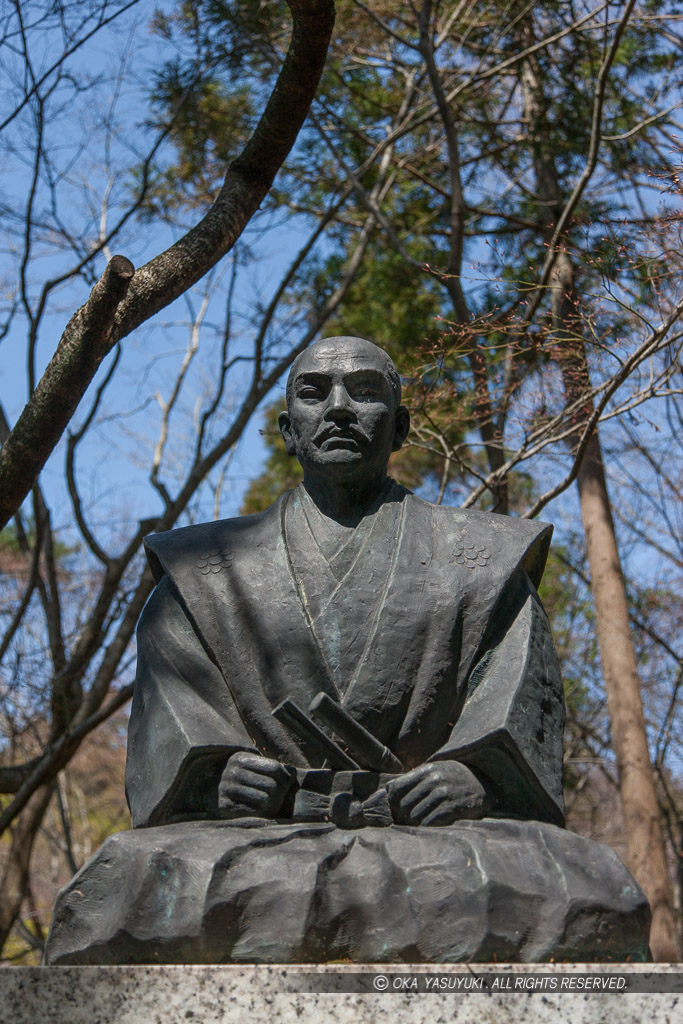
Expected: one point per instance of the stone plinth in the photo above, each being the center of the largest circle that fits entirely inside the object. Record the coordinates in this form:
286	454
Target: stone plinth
287	995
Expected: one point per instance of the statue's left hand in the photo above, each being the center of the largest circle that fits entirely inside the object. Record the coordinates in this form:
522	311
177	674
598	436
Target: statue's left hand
438	793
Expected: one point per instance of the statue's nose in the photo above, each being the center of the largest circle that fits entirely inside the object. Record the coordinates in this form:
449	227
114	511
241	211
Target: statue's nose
339	403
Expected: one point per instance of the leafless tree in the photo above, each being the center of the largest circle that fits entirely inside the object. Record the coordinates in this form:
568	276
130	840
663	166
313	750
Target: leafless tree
77	643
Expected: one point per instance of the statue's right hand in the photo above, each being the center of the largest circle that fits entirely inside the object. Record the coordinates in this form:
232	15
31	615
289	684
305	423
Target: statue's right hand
252	785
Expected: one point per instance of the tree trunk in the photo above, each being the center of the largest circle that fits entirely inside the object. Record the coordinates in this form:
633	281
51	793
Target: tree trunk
642	821
15	876
645	842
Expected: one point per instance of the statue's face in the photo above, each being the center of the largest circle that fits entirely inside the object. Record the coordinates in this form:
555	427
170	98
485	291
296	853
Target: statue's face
342	418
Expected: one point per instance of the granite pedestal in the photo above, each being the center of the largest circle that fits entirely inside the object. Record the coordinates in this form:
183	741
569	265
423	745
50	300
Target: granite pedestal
287	995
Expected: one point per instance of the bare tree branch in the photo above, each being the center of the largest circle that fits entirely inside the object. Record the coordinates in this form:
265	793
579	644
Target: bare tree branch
123	299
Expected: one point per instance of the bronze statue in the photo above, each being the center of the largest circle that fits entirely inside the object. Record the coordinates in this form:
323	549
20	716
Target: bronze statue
353	688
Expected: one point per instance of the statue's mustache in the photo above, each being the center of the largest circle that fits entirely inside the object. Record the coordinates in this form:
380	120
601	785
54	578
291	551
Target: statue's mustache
350	430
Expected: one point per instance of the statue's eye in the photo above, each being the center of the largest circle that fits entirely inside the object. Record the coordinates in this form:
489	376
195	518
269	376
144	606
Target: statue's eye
310	394
365	391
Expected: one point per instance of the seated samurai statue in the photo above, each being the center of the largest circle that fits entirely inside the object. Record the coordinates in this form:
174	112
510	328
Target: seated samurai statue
346	735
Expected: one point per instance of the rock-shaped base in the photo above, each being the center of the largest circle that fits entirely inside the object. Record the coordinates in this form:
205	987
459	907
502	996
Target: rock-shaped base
219	892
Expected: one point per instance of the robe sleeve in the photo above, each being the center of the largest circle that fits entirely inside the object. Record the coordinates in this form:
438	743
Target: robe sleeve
510	727
183	725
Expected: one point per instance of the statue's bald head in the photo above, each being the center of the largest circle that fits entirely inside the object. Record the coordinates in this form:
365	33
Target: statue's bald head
344	417
330	351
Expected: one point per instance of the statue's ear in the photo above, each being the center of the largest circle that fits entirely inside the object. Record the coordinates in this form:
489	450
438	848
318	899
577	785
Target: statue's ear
285	425
402	427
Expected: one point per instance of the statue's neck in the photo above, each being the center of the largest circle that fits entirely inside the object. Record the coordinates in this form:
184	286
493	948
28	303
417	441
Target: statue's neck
346	503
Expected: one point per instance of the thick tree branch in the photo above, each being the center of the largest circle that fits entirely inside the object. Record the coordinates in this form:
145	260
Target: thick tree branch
13	776
86	341
123	299
249	177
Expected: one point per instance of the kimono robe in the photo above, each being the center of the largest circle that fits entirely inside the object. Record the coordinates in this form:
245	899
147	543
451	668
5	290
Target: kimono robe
425	625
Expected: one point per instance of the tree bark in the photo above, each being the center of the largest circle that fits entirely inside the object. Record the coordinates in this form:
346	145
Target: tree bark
642	821
123	298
